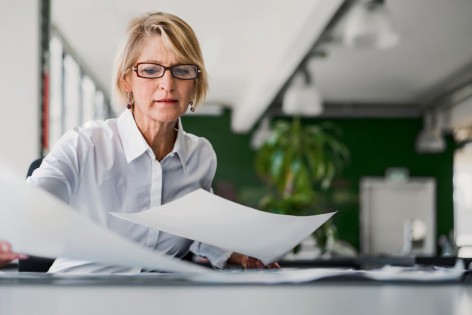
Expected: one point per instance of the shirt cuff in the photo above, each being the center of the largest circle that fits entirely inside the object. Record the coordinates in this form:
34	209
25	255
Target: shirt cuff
218	256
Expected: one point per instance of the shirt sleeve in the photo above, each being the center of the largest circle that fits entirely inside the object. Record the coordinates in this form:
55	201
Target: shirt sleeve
218	256
59	170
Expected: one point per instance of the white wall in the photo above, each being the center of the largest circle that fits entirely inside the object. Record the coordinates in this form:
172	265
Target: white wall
19	84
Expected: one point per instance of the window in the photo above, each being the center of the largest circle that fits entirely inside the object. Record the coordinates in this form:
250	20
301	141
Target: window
463	200
74	97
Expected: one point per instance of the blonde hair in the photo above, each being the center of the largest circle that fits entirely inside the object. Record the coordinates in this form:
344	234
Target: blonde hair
176	35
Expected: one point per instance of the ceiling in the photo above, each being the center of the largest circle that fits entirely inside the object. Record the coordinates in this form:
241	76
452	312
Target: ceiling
252	48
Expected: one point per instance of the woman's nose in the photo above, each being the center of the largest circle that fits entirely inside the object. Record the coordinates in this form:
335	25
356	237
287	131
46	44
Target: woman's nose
167	81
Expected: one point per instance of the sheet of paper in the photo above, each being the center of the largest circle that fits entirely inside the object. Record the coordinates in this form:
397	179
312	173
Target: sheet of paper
213	220
267	276
36	223
272	276
417	274
291	275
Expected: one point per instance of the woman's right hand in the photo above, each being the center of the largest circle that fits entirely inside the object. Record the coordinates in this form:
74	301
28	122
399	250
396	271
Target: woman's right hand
6	254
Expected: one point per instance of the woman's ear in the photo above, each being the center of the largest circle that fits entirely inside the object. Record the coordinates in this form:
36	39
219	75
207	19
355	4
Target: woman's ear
125	84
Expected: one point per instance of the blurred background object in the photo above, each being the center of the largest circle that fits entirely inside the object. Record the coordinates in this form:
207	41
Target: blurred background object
370	25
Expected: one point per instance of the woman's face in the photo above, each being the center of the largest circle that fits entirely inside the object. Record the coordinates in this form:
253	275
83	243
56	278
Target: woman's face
163	99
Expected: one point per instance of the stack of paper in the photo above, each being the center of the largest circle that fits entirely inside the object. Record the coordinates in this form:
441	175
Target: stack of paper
36	223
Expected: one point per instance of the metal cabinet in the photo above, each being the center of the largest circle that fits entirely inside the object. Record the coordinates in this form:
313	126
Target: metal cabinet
398	217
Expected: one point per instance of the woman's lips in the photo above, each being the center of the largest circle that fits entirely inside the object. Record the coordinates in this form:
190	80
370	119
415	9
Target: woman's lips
167	100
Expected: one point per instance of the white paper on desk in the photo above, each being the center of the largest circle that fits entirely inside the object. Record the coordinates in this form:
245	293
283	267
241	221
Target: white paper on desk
417	274
272	276
213	220
37	223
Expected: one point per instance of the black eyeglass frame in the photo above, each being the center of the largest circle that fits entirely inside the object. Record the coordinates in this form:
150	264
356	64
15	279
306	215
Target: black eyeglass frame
171	68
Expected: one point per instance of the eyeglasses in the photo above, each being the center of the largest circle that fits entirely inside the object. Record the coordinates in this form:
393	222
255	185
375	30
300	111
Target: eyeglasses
153	70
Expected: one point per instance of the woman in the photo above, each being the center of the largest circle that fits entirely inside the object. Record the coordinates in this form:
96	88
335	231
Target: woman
144	158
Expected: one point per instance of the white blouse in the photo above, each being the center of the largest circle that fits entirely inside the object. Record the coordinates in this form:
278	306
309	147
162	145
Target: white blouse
109	167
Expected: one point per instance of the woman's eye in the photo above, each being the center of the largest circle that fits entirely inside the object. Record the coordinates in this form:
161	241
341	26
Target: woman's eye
181	71
150	71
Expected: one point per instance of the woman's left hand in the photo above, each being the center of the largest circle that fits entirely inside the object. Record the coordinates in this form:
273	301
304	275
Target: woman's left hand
7	255
248	262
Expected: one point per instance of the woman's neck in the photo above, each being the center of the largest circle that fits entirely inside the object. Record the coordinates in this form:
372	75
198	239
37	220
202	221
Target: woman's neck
160	136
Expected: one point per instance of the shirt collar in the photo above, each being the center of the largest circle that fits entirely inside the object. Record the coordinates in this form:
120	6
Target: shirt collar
133	141
179	146
135	145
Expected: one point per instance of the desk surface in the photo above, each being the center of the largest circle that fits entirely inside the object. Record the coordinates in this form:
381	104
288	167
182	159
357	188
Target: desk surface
160	296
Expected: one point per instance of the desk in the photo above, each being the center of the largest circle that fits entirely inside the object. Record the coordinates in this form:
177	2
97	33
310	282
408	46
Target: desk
151	296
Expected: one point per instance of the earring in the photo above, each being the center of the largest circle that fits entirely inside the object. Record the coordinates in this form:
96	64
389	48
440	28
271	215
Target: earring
130	101
192	108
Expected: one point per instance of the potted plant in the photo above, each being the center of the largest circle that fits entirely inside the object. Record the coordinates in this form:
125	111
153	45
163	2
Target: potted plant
297	162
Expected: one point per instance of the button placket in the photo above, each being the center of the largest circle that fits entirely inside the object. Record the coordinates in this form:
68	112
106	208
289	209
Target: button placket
156	199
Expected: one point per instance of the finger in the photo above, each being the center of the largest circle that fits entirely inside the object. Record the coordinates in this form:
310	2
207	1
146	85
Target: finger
12	255
251	263
259	264
244	261
5	247
7	257
254	263
274	265
5	251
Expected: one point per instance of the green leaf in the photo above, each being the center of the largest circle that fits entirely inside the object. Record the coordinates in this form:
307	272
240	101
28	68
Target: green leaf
296	159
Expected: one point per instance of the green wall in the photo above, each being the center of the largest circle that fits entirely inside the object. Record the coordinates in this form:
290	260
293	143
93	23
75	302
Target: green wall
375	144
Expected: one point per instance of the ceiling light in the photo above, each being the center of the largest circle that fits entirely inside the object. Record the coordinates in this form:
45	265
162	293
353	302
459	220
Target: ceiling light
430	138
302	98
369	25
